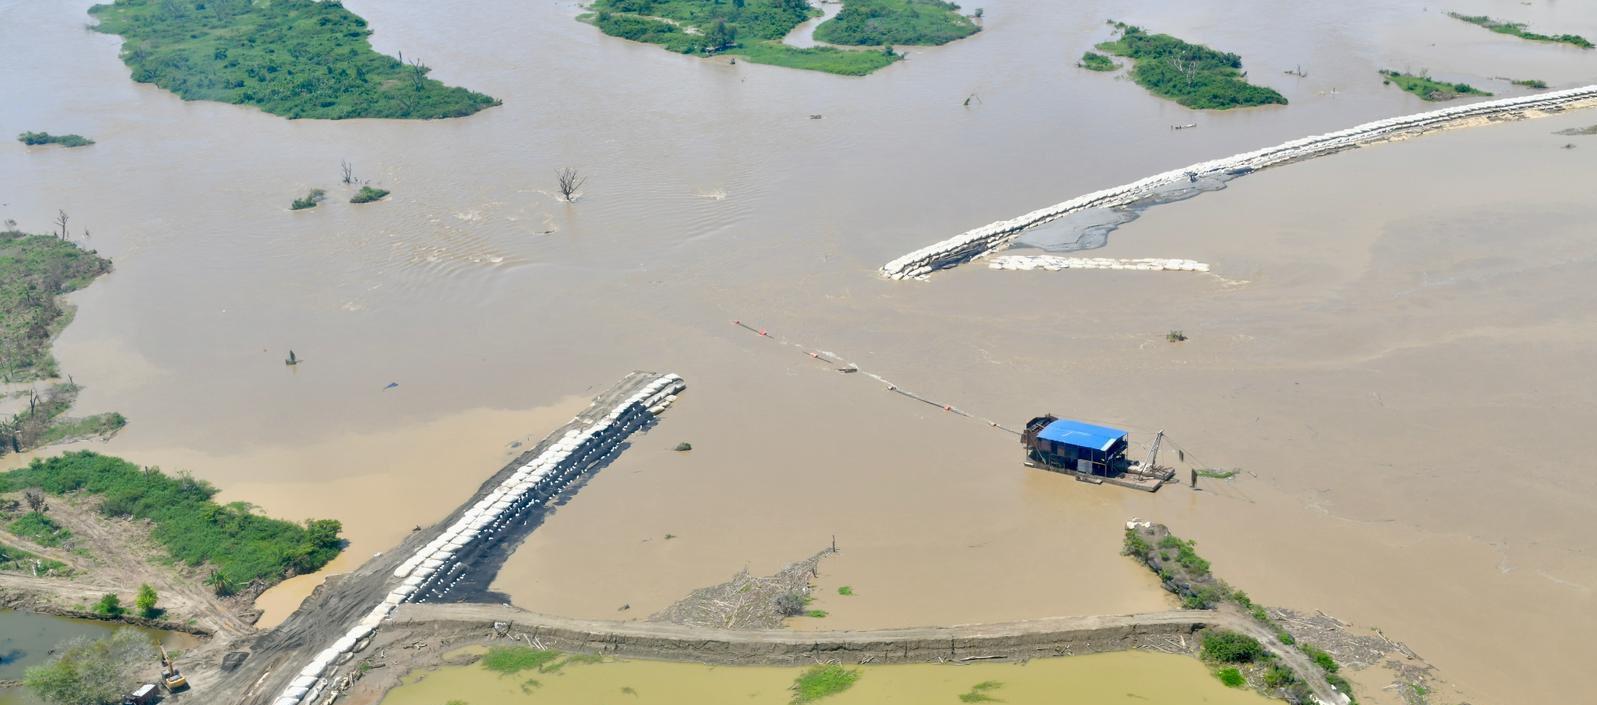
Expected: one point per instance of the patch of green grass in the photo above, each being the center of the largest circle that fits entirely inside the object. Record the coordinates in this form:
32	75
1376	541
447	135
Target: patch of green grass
309	200
1320	658
1529	83
846	591
889	22
294	58
1428	89
66	429
35	270
1190	74
817	614
820	681
38	138
19	561
40	529
509	660
842	62
1093	61
1219	474
1517	29
1231	677
243	547
980	693
367	194
1186	554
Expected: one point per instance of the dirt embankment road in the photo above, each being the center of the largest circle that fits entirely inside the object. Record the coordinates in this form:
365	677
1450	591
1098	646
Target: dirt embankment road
417	635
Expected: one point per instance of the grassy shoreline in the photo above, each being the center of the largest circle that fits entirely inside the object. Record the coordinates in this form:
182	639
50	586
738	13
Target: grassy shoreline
1517	29
294	58
1427	88
1190	74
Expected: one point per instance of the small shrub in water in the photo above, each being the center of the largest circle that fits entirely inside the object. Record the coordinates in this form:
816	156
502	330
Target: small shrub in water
1231	677
309	200
368	194
790	604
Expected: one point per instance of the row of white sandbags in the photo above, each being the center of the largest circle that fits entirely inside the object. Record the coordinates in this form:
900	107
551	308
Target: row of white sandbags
975	242
1053	263
653	398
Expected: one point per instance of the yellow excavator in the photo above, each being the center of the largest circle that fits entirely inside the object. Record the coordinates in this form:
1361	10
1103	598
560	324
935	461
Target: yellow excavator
171	677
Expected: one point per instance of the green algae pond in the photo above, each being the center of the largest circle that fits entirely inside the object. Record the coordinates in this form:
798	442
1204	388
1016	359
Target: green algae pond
1101	679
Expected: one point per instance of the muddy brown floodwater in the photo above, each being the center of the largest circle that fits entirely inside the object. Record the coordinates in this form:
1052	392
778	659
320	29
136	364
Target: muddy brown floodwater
1396	349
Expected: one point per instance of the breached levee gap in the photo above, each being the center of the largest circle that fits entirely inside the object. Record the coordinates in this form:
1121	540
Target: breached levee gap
588	442
988	238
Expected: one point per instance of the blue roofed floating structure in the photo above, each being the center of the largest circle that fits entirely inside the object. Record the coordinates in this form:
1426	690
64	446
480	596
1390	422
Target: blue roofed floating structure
1091	452
1083	435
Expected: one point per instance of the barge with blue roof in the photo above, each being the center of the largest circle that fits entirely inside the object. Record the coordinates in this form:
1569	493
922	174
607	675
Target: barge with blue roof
1091	453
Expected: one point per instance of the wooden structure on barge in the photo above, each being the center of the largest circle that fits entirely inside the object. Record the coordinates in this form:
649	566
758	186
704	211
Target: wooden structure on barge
1091	453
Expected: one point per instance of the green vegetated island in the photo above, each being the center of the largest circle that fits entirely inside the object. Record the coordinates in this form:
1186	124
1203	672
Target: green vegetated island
1517	29
295	58
35	271
1429	89
246	551
1190	74
753	29
33	139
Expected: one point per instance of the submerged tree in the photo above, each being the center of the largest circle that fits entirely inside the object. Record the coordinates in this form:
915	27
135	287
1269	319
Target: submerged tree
570	181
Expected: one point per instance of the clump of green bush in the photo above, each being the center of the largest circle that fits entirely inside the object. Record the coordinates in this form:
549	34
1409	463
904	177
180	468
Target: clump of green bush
309	200
367	194
1093	61
1231	647
39	138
